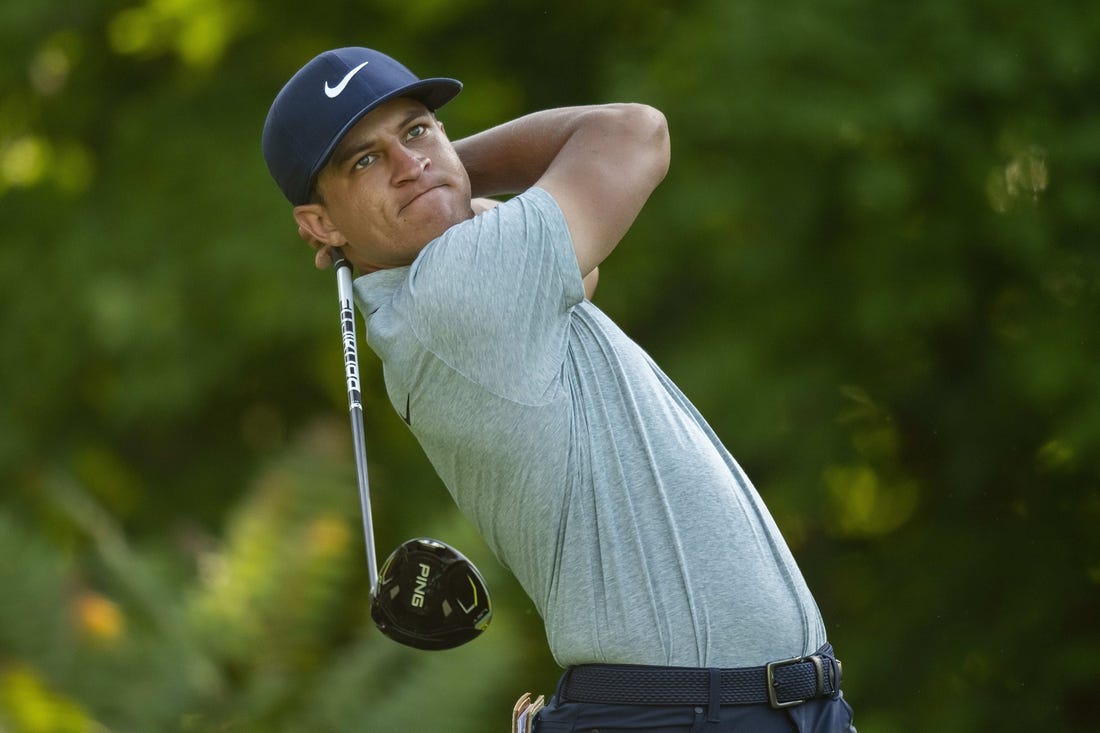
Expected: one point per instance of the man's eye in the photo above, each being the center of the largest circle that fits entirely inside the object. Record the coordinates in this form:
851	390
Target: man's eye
364	162
418	131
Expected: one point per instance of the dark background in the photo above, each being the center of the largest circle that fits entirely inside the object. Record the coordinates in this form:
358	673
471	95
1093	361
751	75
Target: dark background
873	266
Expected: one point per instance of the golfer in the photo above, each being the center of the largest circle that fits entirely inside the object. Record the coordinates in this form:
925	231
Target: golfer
668	594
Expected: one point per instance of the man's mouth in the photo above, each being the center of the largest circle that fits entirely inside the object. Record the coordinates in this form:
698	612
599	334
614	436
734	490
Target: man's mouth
417	196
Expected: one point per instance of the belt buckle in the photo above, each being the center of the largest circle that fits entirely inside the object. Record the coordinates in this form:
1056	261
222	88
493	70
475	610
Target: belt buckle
770	667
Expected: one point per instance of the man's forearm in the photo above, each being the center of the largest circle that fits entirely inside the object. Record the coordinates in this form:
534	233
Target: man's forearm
600	163
511	157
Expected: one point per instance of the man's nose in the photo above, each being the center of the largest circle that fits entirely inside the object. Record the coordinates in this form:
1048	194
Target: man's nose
409	164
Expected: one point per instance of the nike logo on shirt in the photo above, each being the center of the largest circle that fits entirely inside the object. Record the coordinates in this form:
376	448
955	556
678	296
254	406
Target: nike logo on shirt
334	92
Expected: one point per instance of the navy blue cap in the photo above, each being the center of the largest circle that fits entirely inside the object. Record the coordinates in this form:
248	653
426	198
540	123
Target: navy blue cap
325	99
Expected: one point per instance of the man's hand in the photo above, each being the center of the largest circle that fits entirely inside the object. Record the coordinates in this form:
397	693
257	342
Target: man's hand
322	260
481	205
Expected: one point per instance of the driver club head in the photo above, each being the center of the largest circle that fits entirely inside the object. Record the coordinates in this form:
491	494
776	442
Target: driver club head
429	596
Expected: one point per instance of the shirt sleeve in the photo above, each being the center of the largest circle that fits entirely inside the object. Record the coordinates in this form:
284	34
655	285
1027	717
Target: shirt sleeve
492	297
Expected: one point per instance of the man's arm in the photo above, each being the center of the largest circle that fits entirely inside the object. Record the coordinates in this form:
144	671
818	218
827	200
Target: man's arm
599	163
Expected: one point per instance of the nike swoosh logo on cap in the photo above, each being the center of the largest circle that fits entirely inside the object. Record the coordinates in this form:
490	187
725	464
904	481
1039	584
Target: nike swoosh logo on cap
334	92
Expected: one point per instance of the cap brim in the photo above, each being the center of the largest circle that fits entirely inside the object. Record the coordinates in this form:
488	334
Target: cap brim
432	93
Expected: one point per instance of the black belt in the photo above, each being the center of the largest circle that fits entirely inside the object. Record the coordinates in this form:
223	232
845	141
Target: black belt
781	684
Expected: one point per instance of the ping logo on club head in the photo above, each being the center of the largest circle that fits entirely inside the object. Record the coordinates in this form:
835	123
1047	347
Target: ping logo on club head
421	585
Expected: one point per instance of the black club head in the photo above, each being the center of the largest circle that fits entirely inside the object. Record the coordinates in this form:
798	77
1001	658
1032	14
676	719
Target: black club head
429	596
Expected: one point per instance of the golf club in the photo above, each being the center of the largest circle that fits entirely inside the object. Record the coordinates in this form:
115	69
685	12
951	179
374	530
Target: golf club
428	595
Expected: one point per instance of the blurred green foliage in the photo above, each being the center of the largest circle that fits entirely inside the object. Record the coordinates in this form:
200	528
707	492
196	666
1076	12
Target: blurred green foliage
874	266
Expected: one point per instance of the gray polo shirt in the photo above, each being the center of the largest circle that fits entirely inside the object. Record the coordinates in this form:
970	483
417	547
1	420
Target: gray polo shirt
587	471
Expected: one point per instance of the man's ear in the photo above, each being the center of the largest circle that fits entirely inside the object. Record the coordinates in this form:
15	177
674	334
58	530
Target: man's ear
313	219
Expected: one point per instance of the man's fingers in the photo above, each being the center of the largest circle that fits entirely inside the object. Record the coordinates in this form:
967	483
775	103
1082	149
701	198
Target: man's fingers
323	260
322	257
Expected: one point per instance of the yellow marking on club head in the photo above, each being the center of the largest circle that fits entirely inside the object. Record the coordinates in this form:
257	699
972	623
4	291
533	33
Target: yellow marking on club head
474	586
385	571
472	606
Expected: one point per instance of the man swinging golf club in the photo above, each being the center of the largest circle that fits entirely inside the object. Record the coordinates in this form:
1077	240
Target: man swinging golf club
667	591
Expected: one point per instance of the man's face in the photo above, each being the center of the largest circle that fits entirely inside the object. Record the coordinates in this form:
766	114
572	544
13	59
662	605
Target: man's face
393	184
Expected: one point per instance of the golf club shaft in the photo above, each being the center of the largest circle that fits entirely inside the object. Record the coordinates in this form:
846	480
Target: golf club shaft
355	403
